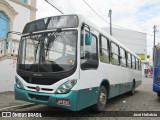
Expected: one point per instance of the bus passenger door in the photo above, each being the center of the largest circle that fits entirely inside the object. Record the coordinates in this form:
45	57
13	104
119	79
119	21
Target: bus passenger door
88	85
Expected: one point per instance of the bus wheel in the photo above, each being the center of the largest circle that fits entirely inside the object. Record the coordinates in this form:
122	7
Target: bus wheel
158	94
133	89
102	100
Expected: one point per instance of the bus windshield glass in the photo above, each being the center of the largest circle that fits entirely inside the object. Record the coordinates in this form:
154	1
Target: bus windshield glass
156	56
48	51
64	21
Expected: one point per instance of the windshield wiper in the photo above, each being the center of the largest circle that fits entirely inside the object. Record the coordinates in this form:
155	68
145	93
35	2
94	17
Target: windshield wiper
49	41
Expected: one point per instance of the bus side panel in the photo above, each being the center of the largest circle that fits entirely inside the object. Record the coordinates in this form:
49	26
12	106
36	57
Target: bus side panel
88	86
87	97
120	79
138	78
156	83
114	90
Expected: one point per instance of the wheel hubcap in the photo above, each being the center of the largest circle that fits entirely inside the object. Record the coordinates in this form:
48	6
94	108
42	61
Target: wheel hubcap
102	101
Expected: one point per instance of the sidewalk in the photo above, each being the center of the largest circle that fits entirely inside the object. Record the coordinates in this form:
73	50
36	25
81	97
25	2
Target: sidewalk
7	100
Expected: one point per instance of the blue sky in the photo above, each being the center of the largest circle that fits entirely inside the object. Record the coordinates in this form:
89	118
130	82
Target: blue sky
140	15
148	11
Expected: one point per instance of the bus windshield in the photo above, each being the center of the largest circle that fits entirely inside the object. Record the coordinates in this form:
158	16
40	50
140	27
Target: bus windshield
156	57
48	51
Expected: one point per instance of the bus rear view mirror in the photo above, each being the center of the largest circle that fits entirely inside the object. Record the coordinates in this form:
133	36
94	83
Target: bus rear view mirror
7	37
7	43
88	39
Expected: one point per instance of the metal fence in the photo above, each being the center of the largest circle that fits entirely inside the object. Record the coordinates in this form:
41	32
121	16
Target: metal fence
2	48
12	49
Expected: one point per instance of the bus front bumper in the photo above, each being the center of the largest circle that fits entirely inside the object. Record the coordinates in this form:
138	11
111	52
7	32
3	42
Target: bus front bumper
56	100
156	88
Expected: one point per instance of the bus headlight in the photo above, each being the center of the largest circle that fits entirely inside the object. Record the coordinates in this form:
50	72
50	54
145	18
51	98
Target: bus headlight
66	87
19	84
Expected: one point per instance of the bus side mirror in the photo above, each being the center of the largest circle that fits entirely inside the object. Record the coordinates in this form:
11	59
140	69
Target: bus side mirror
7	43
88	39
7	37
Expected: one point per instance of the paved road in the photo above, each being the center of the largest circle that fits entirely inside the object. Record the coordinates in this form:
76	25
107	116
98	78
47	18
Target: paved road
143	100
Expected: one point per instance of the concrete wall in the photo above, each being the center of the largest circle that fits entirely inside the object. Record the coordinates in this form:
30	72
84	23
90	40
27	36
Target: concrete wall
7	74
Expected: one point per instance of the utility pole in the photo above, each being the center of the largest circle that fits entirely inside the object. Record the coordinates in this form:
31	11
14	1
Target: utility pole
110	16
154	31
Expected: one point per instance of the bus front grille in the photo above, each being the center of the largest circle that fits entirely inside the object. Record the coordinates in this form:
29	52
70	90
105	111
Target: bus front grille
40	81
45	89
38	97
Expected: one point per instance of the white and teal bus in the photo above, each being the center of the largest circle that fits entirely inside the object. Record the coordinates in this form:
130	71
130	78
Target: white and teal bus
65	61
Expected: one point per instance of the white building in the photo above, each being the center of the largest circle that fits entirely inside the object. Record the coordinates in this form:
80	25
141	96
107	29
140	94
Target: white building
135	41
14	14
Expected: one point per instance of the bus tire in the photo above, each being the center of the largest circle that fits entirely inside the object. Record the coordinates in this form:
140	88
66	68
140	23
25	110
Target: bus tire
133	89
102	100
158	94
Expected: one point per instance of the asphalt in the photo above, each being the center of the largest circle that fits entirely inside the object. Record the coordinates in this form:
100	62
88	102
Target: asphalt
143	100
7	100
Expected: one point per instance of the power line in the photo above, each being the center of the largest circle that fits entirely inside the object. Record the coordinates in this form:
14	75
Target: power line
114	24
63	8
58	8
100	17
94	11
54	7
152	35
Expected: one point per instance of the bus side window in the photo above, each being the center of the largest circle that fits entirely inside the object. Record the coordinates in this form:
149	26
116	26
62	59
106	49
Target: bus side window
137	64
90	58
123	57
140	68
91	50
133	62
104	50
129	60
139	61
115	54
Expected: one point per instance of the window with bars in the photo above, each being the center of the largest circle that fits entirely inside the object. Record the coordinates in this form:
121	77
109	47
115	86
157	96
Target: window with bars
24	1
129	60
115	54
123	57
137	64
104	50
133	62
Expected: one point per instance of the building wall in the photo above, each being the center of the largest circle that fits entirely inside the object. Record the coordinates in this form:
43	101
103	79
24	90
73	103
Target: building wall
18	14
135	41
7	75
21	18
24	14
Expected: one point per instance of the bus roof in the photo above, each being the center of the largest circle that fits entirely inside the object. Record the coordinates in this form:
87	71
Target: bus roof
103	32
82	19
